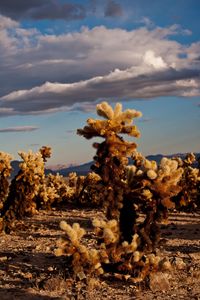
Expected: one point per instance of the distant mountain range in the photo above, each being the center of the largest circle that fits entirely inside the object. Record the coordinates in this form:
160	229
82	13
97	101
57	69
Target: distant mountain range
85	168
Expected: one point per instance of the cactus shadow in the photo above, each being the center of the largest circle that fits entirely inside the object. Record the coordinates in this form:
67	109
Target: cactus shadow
20	294
25	270
188	231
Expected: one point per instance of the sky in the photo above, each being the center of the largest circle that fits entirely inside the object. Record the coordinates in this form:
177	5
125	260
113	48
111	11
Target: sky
59	58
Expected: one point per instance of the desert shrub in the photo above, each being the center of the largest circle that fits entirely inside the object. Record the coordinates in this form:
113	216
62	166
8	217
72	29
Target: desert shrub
151	189
189	196
5	171
55	189
111	155
122	246
89	190
136	199
72	189
45	152
23	189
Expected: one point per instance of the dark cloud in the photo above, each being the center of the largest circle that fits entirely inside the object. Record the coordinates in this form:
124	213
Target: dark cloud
51	97
16	8
113	9
53	10
41	9
18	129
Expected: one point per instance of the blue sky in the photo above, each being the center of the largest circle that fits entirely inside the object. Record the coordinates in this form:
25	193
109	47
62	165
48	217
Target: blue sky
60	58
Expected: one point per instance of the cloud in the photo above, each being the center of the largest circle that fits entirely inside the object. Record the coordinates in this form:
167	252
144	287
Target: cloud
39	10
116	85
151	60
146	21
28	57
6	23
113	9
80	68
18	129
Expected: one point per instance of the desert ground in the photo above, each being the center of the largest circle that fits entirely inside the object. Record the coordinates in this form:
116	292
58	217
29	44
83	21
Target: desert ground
30	270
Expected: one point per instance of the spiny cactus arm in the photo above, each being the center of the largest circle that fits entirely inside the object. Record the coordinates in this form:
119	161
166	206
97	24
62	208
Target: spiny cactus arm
105	110
88	132
120	147
127	116
84	260
190	158
45	152
116	122
5	167
131	130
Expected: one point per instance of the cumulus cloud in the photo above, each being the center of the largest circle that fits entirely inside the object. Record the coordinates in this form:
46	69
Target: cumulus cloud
6	22
45	9
18	129
152	60
113	9
80	68
82	55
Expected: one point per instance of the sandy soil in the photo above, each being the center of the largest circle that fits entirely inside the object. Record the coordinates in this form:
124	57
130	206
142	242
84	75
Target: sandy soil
29	269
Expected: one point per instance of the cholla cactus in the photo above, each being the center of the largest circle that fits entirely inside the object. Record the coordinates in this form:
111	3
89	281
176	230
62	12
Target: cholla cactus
127	260
55	189
83	258
45	152
5	171
135	199
92	192
23	189
119	247
111	155
152	188
189	196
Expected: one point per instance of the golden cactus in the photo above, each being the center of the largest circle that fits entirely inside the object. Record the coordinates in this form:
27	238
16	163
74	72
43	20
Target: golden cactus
111	155
83	259
45	152
23	189
5	171
136	198
189	195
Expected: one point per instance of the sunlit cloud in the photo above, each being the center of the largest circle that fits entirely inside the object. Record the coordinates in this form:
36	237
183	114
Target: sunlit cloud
116	85
47	73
